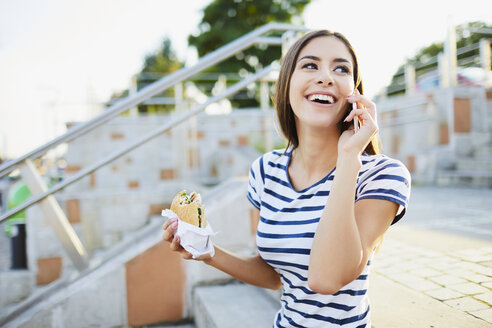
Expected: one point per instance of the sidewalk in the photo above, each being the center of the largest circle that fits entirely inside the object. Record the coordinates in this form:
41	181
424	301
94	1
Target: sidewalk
429	278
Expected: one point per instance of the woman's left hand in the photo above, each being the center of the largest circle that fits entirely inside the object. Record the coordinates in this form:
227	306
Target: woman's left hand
351	141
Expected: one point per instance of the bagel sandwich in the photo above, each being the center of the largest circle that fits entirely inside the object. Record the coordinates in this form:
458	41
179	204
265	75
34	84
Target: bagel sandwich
189	208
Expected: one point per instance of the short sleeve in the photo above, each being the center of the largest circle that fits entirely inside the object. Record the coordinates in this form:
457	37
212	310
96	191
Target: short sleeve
255	185
388	179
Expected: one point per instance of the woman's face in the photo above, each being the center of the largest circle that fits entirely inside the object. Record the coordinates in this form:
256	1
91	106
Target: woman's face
322	78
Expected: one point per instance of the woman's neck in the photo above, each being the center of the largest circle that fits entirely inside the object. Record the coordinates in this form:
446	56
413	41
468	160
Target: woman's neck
314	157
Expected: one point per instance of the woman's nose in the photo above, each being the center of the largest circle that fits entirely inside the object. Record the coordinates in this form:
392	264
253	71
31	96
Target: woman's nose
324	79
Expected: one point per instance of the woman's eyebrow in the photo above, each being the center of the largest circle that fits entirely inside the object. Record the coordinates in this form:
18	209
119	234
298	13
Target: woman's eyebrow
309	57
341	60
336	60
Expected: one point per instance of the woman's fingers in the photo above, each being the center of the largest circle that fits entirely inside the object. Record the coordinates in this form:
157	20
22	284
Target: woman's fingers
169	235
176	246
169	228
364	101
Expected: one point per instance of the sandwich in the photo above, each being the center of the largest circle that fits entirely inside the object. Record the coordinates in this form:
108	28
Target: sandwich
189	208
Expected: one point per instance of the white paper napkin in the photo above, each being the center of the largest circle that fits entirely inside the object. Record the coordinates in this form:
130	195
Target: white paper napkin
195	240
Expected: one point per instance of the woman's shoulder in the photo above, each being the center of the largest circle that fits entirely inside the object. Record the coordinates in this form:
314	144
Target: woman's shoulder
382	163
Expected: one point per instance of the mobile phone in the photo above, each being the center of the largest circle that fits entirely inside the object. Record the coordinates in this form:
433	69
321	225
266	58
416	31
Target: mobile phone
356	120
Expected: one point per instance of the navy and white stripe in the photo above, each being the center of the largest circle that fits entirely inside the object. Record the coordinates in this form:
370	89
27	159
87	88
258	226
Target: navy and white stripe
288	221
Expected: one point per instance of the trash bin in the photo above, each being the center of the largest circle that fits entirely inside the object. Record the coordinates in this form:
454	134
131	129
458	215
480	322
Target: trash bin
15	227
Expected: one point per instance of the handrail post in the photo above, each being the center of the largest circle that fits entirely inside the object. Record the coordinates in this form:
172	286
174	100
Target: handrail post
55	217
179	137
267	120
485	61
450	51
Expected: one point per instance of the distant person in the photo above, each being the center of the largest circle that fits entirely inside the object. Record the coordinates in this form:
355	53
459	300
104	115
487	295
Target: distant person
324	203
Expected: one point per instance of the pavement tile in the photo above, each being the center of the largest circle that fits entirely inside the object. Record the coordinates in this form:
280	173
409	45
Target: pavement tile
462	273
421	285
479	258
389	271
487	284
487	264
469	288
470	266
426	260
426	272
443	294
485	297
404	277
479	278
466	304
447	279
483	314
409	265
484	270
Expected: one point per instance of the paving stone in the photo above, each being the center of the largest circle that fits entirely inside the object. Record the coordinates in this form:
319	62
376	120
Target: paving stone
484	270
443	294
422	285
409	265
444	265
479	278
487	264
389	271
469	288
447	279
483	314
485	297
479	258
425	260
405	277
462	273
474	267
426	272
466	304
487	284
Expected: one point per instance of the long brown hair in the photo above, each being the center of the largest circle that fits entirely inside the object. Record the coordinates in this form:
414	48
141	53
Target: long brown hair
285	113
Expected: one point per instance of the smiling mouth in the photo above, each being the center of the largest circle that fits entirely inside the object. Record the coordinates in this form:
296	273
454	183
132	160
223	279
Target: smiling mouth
322	99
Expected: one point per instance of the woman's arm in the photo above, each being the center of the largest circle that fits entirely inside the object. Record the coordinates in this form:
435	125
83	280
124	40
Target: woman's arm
347	233
249	269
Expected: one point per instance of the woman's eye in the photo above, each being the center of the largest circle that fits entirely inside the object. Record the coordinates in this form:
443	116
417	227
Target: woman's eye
342	69
310	66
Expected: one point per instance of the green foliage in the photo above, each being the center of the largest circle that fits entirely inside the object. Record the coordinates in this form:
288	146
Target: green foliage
225	20
164	61
423	59
155	66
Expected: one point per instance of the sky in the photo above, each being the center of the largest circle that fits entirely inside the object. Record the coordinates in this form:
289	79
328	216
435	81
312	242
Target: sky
61	59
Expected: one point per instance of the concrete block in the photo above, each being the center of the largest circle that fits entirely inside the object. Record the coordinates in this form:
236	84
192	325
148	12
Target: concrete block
15	285
119	214
224	307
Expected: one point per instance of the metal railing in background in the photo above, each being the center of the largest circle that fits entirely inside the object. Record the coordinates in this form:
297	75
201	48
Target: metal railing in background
254	37
50	207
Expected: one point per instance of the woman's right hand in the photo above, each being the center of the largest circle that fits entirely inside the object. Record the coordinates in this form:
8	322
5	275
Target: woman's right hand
169	235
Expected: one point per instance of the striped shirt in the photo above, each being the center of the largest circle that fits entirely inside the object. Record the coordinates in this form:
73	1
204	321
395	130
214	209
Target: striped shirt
288	221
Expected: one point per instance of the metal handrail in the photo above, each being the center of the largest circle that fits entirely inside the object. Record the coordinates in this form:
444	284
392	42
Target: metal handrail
157	87
154	133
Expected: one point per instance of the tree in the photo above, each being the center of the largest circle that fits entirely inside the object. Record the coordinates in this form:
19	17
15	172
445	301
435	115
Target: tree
155	66
225	20
425	59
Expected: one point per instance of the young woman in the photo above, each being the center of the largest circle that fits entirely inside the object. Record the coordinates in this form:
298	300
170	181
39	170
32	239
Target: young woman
324	202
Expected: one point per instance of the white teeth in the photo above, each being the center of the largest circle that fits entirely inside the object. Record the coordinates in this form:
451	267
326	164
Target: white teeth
326	98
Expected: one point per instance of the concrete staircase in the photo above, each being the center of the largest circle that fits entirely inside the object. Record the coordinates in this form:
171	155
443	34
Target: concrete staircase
473	167
100	297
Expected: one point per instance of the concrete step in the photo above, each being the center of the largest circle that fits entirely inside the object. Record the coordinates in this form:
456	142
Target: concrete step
233	305
483	152
465	177
480	164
